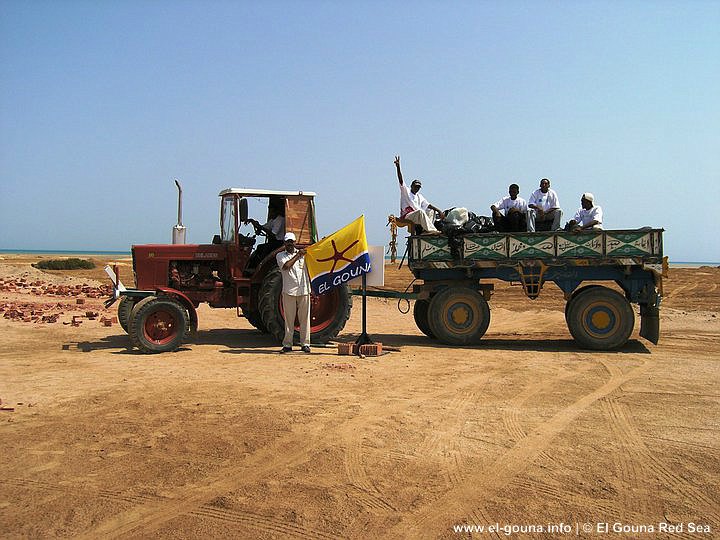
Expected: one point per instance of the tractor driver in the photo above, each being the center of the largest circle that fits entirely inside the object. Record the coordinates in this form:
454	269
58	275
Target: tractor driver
273	230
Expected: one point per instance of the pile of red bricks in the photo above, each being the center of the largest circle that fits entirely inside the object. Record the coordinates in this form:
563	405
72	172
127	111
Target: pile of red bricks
351	349
29	312
25	312
41	288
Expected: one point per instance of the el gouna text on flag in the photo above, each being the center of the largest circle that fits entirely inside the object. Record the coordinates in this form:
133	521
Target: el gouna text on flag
338	258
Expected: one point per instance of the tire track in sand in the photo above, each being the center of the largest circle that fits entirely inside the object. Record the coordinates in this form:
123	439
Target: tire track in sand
438	445
640	456
259	522
252	520
288	451
511	413
284	453
442	445
461	500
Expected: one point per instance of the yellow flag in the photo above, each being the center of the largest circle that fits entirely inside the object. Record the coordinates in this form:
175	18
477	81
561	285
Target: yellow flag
338	258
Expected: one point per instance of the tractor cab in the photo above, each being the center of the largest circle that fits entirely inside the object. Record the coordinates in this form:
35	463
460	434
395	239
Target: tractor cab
241	207
253	222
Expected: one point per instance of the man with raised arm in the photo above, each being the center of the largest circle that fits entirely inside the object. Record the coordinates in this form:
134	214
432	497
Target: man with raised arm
413	206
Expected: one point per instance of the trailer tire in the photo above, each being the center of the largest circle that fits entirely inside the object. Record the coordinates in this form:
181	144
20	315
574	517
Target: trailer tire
158	324
600	318
573	295
328	312
459	316
420	313
125	307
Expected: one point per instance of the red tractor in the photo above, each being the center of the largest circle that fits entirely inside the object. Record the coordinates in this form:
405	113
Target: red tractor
173	280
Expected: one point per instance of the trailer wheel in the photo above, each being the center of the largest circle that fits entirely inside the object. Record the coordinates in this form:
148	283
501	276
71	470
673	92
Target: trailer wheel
600	318
328	312
158	325
459	316
574	294
125	307
420	313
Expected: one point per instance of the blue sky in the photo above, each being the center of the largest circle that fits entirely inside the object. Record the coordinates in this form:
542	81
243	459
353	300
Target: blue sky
103	103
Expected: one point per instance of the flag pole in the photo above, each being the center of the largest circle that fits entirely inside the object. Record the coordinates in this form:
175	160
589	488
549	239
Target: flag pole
364	338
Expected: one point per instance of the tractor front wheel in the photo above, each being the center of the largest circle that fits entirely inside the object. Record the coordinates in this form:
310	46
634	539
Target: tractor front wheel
328	312
125	307
158	324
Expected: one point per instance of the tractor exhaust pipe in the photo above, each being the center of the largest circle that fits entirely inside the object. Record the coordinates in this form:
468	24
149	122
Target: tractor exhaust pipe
179	230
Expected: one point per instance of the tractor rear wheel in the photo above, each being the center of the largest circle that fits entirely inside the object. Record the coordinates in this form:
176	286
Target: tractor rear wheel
600	318
158	324
328	312
254	318
420	313
125	307
459	316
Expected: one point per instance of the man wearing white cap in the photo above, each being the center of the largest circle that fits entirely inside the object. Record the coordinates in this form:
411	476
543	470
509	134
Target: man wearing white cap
295	293
413	206
588	215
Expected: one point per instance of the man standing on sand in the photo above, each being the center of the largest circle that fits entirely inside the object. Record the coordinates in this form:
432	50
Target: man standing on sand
295	293
515	208
588	216
413	206
544	209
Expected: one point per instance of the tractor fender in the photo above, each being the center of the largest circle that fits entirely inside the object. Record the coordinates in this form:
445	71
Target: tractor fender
185	301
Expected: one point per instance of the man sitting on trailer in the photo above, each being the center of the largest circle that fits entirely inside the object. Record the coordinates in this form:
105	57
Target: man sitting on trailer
587	217
413	206
509	212
543	209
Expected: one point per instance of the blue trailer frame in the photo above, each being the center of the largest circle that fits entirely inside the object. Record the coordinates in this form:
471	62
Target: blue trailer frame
598	317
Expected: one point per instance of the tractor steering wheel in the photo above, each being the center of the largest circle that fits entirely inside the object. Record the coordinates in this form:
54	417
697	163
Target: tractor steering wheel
259	231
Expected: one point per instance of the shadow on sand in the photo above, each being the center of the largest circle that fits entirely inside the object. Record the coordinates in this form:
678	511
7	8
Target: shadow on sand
633	346
241	341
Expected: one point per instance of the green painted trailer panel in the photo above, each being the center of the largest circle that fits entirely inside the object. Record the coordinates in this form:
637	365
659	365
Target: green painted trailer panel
642	245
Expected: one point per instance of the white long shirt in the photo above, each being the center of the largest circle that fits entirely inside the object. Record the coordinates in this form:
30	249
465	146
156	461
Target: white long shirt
276	226
506	203
296	281
544	201
409	201
583	217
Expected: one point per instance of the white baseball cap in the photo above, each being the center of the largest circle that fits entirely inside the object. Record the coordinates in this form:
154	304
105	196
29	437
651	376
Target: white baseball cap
289	236
588	196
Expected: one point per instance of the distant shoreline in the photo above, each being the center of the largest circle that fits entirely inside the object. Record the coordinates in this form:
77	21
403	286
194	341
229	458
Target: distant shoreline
66	252
60	252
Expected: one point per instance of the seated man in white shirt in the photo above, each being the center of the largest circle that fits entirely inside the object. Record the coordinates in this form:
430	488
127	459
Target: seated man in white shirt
543	209
509	212
273	230
587	217
413	206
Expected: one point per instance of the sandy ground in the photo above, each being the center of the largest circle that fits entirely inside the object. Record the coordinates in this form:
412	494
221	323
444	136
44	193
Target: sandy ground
227	438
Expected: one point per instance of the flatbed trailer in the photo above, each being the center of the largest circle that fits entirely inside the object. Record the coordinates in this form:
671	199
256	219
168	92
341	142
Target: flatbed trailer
452	296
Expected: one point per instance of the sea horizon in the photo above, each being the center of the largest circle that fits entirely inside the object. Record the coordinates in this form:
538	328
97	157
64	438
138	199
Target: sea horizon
128	253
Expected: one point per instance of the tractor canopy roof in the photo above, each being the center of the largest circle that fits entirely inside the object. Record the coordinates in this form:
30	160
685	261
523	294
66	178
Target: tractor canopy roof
249	192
